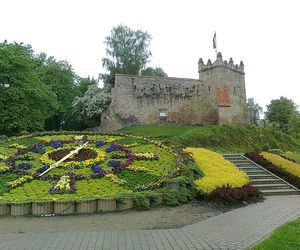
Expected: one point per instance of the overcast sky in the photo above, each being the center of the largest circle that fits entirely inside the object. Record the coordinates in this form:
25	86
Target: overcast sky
264	34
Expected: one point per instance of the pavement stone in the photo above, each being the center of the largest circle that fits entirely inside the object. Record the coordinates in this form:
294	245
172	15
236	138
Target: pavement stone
237	229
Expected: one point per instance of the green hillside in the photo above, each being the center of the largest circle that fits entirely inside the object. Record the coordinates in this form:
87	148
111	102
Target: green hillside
222	138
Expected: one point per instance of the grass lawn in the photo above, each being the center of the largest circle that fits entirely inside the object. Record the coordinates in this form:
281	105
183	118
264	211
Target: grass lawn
294	156
285	237
221	138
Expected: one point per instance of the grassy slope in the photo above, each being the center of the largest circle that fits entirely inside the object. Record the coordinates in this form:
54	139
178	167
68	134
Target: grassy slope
295	156
223	138
285	237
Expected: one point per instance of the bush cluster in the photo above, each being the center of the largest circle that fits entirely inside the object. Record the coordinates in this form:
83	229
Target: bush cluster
227	195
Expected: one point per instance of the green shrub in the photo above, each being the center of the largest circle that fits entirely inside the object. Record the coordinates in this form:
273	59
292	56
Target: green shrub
275	151
141	201
223	138
173	197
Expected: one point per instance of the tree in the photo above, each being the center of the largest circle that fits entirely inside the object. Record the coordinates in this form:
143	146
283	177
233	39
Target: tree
62	80
27	102
84	84
93	103
149	71
127	52
294	125
280	111
254	111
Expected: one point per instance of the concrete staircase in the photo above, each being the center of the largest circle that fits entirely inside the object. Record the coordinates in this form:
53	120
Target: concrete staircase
264	180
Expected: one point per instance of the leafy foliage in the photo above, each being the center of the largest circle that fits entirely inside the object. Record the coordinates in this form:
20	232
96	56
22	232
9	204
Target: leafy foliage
28	101
294	125
158	71
92	103
6	178
280	111
62	80
227	195
127	50
254	111
222	138
40	93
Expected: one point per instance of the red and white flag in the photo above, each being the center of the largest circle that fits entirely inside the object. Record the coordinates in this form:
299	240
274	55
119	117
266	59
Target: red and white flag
215	41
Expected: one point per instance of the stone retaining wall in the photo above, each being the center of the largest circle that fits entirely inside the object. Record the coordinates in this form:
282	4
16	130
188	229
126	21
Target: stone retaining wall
41	208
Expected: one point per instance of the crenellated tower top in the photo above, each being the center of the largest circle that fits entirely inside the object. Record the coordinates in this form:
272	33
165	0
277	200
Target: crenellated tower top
220	63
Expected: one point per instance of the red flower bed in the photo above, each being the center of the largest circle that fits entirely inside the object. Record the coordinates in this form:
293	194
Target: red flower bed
228	195
83	155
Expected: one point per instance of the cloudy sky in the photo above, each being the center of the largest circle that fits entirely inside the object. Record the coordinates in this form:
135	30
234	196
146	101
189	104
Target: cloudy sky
264	34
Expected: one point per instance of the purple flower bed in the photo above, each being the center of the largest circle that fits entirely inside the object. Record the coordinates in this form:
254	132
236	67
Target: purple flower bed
42	169
114	163
57	144
96	169
111	148
100	143
22	172
24	165
38	148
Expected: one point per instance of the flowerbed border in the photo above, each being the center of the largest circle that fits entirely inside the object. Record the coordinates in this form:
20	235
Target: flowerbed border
286	176
64	207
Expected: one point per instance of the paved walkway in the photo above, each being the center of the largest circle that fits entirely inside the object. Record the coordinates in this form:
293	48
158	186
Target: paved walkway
237	229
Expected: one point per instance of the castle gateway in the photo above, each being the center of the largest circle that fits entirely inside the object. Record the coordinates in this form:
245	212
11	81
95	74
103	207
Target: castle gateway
217	97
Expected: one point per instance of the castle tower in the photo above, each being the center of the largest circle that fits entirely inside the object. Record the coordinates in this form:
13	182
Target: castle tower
225	81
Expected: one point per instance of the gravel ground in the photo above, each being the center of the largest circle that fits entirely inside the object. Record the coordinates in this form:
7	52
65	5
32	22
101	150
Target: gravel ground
155	218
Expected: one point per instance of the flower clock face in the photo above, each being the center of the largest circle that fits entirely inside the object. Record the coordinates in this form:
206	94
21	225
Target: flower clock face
48	167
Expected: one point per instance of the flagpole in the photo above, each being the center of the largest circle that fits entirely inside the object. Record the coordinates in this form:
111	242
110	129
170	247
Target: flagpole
215	43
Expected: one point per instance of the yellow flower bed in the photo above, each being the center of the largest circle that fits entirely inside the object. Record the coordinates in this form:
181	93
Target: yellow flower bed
291	167
137	169
3	168
217	171
115	179
20	181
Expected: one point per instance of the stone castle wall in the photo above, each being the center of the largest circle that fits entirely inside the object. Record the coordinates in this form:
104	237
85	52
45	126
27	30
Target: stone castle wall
217	97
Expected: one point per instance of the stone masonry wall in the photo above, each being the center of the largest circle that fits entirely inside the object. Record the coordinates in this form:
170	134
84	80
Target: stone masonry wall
144	100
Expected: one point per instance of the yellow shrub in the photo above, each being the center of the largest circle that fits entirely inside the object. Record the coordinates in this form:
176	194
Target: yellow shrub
287	165
217	171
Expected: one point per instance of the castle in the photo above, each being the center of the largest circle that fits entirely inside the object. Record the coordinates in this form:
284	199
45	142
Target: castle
217	97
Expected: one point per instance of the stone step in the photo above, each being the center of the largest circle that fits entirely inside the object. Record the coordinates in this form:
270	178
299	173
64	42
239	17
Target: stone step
249	168
271	186
260	176
242	161
280	192
231	155
246	164
235	158
266	181
259	171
